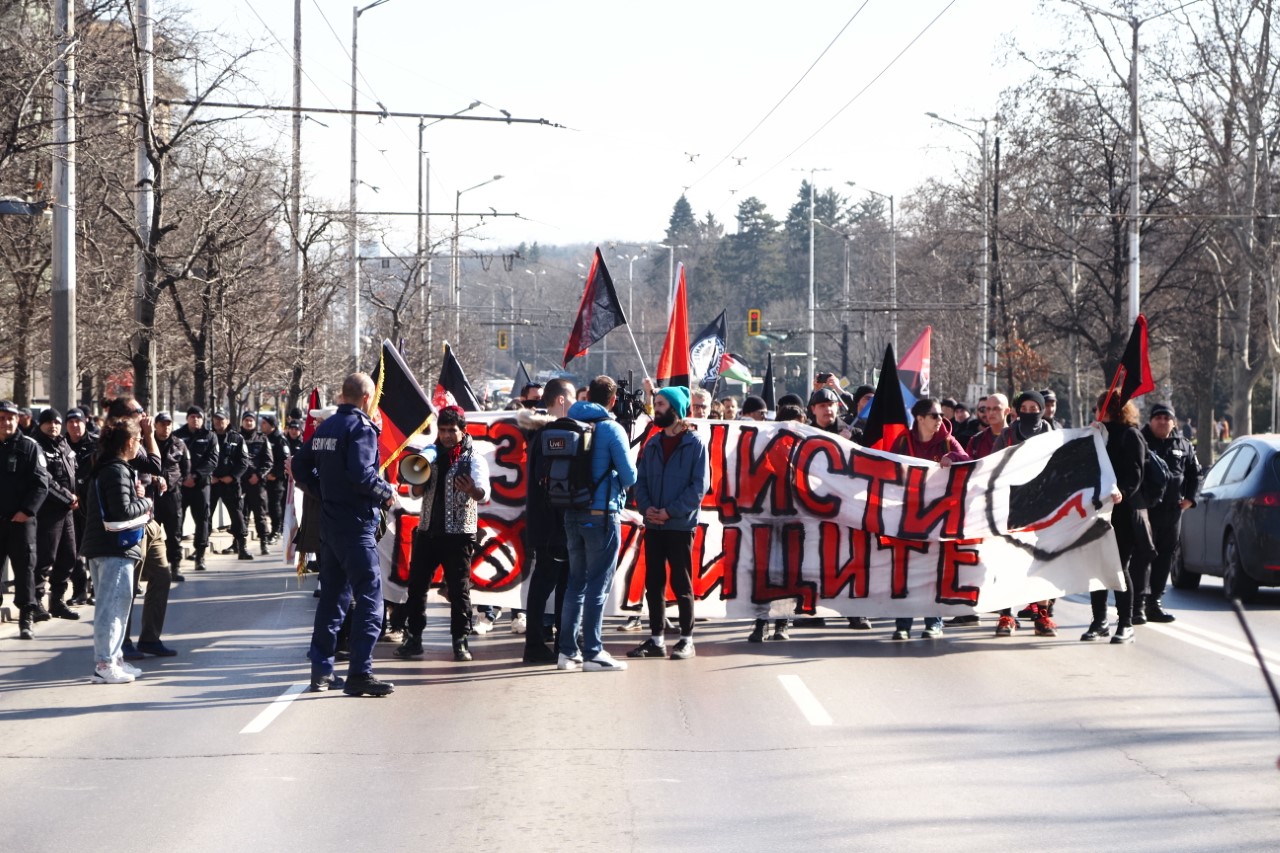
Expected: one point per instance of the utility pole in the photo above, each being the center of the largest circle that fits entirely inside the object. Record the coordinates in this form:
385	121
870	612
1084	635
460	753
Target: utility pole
63	364
295	207
144	380
812	362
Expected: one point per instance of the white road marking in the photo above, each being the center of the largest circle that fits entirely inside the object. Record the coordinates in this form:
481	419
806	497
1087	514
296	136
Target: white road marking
275	709
806	701
1212	642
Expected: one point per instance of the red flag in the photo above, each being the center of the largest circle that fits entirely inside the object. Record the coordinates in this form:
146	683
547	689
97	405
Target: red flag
599	313
673	364
309	425
1133	374
888	417
453	389
913	370
401	401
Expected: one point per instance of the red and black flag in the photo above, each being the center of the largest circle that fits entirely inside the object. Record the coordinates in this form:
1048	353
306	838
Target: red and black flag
1133	374
453	389
673	364
599	313
913	370
888	418
309	425
401	402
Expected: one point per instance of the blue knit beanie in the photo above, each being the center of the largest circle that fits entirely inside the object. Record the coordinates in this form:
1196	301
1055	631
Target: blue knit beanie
678	397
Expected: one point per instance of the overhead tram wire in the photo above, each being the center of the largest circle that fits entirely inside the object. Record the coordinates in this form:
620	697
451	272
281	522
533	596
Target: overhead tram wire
848	104
781	100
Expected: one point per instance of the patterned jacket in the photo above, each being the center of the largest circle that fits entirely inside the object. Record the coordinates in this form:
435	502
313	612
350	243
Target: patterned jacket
460	511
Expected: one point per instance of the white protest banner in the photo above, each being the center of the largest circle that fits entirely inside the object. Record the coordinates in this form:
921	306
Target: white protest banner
798	520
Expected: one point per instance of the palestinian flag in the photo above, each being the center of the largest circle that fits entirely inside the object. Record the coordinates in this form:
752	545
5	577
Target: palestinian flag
599	312
401	402
673	364
888	417
453	389
733	367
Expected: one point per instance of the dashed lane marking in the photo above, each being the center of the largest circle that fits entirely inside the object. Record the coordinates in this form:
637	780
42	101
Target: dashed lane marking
268	714
806	701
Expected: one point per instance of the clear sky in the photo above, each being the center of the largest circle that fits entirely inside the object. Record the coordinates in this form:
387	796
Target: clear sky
655	97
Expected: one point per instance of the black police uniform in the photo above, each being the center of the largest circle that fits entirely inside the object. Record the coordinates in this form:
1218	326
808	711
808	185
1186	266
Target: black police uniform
253	484
24	483
202	445
277	481
55	526
1151	571
233	462
84	451
175	466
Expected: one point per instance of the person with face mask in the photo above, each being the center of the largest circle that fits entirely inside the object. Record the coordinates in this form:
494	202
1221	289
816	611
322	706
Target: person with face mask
673	477
1029	410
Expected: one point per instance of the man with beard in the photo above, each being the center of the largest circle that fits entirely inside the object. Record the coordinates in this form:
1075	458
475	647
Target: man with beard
672	479
447	533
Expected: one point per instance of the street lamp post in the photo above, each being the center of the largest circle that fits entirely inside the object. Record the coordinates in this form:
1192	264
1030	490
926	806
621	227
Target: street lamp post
671	272
987	339
456	268
893	262
354	276
812	347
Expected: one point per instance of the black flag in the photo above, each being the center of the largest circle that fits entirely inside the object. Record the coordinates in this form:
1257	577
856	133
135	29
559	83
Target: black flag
599	313
705	353
770	403
453	389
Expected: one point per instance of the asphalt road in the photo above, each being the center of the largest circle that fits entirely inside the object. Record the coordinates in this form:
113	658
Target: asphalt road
836	740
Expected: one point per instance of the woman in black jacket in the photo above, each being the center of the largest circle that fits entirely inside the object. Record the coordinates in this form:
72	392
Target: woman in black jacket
1128	452
115	515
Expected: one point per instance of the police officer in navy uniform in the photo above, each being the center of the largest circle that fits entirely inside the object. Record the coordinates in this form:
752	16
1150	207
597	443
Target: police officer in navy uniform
202	445
276	478
293	435
233	462
1151	571
24	483
340	464
84	446
175	468
55	524
253	483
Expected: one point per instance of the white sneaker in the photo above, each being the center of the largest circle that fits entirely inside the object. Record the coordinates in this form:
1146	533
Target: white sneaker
519	624
481	625
603	662
568	664
109	673
129	668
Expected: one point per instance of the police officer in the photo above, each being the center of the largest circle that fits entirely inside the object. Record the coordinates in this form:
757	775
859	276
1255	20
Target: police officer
26	425
276	478
24	483
293	435
253	483
340	463
202	445
233	462
175	468
84	446
55	524
1151	571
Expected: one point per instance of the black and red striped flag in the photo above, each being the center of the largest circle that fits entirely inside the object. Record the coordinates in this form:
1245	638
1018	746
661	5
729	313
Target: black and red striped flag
599	313
400	400
453	389
888	417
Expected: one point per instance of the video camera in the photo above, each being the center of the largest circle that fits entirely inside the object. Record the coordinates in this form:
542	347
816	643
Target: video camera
629	405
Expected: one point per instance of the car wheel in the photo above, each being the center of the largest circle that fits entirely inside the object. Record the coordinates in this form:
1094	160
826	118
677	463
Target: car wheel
1184	578
1235	583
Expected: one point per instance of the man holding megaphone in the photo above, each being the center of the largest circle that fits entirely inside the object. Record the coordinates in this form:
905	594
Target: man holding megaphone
447	532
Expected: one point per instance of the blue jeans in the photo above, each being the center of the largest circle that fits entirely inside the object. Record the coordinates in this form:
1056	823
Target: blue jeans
113	598
905	623
593	555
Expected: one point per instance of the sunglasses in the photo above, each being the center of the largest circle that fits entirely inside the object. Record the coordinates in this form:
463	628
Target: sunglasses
530	404
934	415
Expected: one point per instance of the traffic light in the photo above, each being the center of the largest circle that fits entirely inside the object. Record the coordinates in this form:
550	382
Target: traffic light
503	338
753	322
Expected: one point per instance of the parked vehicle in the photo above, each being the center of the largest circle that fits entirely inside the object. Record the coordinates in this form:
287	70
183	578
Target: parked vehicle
1233	531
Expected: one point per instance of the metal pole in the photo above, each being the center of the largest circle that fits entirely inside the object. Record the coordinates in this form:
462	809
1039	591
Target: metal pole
417	267
986	344
63	366
353	273
455	275
144	386
893	272
810	351
295	196
1135	239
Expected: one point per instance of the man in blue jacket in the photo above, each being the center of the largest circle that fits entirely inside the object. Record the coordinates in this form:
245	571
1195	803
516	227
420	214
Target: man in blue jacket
340	463
594	534
673	478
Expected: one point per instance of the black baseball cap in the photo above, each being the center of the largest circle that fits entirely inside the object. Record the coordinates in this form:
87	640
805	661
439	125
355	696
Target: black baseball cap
8	406
1163	409
195	410
76	414
164	417
823	395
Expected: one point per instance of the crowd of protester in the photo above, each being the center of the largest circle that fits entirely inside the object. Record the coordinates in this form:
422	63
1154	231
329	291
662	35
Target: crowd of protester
94	507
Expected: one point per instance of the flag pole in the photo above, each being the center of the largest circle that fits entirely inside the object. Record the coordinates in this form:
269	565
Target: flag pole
639	357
